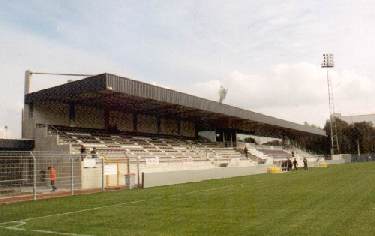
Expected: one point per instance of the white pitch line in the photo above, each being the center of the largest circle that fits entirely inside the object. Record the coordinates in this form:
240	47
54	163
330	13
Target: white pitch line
16	226
83	210
21	223
59	233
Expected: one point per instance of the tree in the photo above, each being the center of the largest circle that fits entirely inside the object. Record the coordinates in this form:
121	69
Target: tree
350	135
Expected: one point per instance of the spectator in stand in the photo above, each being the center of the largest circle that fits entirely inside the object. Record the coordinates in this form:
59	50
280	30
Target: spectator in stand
295	164
245	151
305	163
83	152
93	153
52	177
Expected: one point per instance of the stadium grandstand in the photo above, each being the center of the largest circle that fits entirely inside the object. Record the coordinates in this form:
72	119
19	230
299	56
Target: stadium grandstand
356	118
152	128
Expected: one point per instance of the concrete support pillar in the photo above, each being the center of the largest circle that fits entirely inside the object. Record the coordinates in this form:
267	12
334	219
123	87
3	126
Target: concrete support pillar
234	138
27	82
224	138
31	110
158	123
196	130
231	139
72	114
135	122
178	126
106	119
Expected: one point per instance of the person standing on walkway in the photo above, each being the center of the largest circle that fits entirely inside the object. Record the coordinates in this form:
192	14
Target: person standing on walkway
83	152
52	177
289	164
305	163
295	164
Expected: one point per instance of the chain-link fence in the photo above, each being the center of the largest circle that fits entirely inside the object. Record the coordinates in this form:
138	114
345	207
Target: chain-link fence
16	172
26	175
363	157
39	175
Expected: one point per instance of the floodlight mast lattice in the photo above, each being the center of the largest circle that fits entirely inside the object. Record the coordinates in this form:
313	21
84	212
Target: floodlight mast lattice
327	64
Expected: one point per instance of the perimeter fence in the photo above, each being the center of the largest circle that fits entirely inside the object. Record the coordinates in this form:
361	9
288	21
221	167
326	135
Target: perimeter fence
363	157
29	175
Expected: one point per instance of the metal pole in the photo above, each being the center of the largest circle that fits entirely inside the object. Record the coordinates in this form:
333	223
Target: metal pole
138	177
102	174
34	176
72	176
231	140
330	115
224	138
358	148
143	180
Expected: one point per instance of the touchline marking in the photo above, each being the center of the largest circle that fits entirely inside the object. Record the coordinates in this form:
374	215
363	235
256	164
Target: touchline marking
59	233
18	225
83	210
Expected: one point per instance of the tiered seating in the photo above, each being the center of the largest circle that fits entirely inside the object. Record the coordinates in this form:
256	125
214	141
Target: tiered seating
269	154
275	153
143	147
261	158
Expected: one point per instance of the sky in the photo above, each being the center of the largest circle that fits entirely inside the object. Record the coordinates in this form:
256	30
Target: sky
267	53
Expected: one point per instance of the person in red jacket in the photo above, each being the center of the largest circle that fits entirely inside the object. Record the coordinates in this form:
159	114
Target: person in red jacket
52	177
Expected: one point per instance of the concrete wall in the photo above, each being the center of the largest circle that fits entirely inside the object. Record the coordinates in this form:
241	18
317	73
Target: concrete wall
45	142
123	121
152	179
187	129
91	178
93	117
334	162
168	126
178	177
51	114
43	113
28	124
147	124
89	117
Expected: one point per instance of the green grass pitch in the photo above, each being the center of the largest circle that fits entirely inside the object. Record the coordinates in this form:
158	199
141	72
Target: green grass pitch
338	200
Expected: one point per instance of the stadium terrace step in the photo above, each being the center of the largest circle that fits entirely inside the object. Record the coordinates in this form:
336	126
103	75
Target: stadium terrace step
138	146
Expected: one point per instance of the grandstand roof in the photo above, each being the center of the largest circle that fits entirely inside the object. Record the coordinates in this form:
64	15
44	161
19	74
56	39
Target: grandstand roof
137	96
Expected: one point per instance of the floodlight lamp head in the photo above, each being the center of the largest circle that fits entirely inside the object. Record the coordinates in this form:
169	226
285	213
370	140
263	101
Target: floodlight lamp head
222	94
327	60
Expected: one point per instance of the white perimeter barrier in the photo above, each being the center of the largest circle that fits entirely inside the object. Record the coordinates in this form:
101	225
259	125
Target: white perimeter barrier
185	176
333	162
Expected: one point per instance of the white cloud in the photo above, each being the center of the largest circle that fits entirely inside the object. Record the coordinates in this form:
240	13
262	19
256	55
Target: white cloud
255	49
21	51
296	92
